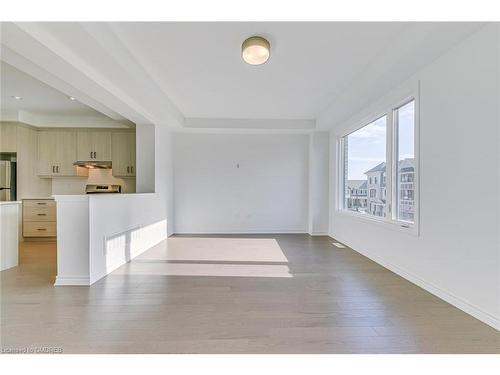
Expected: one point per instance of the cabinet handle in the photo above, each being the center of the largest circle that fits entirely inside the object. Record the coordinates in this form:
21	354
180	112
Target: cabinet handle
95	154
53	169
41	203
128	169
42	214
41	228
91	154
57	169
131	169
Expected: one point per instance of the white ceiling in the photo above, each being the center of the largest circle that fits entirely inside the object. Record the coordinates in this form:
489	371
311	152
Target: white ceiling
40	100
37	96
199	64
191	75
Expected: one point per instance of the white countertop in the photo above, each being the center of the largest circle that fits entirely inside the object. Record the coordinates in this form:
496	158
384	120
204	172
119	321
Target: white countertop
38	198
5	203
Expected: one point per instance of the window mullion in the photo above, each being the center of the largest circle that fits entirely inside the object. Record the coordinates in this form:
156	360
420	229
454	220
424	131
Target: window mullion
389	166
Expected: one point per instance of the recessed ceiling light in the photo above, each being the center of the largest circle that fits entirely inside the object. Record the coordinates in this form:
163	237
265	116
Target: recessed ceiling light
71	98
255	50
17	97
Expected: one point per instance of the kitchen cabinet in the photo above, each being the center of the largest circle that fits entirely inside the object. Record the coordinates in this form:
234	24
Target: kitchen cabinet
8	135
93	145
56	153
39	218
123	154
28	182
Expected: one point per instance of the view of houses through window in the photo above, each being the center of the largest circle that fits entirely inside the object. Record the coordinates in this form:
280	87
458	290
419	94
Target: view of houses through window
365	173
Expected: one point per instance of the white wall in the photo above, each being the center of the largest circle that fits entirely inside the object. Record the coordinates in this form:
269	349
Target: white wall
457	254
164	173
122	226
267	193
145	158
319	163
73	240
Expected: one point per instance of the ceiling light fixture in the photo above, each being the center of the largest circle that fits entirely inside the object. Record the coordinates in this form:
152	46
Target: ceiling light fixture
255	50
71	98
17	97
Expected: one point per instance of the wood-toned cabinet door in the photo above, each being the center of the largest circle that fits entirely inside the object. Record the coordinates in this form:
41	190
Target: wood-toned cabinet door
65	153
120	154
93	145
101	145
47	152
84	149
28	182
8	135
131	148
123	147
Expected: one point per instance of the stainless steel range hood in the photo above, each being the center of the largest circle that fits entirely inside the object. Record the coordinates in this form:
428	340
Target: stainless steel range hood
91	164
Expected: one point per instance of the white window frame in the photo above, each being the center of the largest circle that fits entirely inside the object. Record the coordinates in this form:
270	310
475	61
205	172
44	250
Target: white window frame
390	220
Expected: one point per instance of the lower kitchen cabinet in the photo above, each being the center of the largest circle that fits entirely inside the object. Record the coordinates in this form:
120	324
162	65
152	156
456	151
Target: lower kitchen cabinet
39	218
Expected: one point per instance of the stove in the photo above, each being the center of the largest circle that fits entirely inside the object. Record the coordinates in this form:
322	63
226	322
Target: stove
96	189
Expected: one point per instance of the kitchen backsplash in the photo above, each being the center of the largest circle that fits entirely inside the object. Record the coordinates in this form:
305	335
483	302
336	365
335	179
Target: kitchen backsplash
76	185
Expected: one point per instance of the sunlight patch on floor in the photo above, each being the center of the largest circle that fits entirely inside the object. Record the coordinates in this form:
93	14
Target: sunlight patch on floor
200	269
210	256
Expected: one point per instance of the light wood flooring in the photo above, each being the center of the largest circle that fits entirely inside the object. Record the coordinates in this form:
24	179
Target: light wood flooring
233	294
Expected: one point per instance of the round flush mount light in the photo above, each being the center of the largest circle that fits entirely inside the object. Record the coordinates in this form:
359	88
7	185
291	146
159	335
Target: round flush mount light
72	98
255	50
16	97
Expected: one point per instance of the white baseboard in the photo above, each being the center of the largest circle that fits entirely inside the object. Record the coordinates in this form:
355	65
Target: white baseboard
242	232
75	281
318	234
452	299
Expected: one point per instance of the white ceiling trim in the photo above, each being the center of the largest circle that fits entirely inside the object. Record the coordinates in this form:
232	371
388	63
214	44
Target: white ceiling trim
67	121
270	124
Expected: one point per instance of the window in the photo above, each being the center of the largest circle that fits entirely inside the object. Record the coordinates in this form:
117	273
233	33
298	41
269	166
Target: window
365	155
383	157
404	131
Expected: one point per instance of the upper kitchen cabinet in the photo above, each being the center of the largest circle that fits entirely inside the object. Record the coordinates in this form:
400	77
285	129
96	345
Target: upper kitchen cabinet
123	150
8	135
93	145
56	153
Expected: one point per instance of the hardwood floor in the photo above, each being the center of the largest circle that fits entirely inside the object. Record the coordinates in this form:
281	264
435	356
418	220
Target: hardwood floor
234	294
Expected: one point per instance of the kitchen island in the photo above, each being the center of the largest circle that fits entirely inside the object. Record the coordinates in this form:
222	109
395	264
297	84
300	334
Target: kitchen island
9	234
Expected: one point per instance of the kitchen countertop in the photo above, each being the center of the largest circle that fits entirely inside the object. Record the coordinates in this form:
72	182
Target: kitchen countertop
39	198
5	203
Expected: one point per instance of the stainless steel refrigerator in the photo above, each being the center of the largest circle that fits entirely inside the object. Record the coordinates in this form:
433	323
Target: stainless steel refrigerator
7	180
